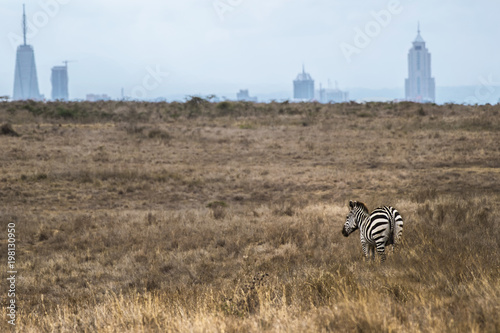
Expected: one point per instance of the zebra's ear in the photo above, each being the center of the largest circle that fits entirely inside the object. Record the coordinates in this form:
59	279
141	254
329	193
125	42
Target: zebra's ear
352	204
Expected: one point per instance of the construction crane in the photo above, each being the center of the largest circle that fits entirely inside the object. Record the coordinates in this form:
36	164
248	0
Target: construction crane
65	62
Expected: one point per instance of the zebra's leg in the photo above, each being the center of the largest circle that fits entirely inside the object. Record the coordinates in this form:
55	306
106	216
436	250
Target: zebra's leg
371	252
381	251
365	249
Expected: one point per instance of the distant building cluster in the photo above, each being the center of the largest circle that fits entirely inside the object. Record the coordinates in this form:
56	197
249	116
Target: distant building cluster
26	79
329	95
243	95
97	97
303	90
419	86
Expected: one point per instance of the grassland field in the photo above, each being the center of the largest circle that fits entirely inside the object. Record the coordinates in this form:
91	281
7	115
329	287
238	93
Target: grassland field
227	217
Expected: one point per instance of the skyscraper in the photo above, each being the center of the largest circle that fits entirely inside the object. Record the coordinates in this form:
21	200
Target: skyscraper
25	79
419	86
303	86
59	79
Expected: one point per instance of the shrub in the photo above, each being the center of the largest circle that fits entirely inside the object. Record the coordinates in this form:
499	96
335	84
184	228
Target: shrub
159	134
6	129
218	209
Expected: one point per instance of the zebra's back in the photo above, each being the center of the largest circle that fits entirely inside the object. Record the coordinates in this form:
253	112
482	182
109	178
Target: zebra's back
385	222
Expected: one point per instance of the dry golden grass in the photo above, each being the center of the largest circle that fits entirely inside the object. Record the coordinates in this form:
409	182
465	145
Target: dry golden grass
206	217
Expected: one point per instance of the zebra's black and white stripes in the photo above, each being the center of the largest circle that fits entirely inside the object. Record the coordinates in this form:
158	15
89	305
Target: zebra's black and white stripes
384	226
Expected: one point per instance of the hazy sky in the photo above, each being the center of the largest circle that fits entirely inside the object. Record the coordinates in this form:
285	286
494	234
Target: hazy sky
155	48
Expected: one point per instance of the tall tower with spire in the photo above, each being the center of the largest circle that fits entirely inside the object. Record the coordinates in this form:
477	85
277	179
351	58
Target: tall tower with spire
25	78
303	86
420	85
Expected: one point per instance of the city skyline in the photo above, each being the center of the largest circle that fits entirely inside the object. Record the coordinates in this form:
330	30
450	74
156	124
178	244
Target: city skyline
156	49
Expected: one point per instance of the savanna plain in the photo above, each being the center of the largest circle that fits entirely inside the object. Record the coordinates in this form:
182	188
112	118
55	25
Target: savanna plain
227	217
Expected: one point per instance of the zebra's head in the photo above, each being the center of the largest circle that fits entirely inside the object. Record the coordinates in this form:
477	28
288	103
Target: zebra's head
358	211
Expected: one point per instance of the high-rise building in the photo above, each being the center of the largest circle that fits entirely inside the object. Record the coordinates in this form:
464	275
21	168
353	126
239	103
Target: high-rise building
25	78
419	86
303	86
59	79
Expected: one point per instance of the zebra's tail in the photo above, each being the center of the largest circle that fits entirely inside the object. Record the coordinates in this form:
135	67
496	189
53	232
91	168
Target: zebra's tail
397	221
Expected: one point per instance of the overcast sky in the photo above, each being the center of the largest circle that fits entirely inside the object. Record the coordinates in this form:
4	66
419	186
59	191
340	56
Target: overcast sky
153	48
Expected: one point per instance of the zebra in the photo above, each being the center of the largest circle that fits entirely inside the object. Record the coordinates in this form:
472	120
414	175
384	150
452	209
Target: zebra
384	226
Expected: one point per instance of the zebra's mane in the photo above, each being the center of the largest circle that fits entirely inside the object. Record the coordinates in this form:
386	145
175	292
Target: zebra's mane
360	204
